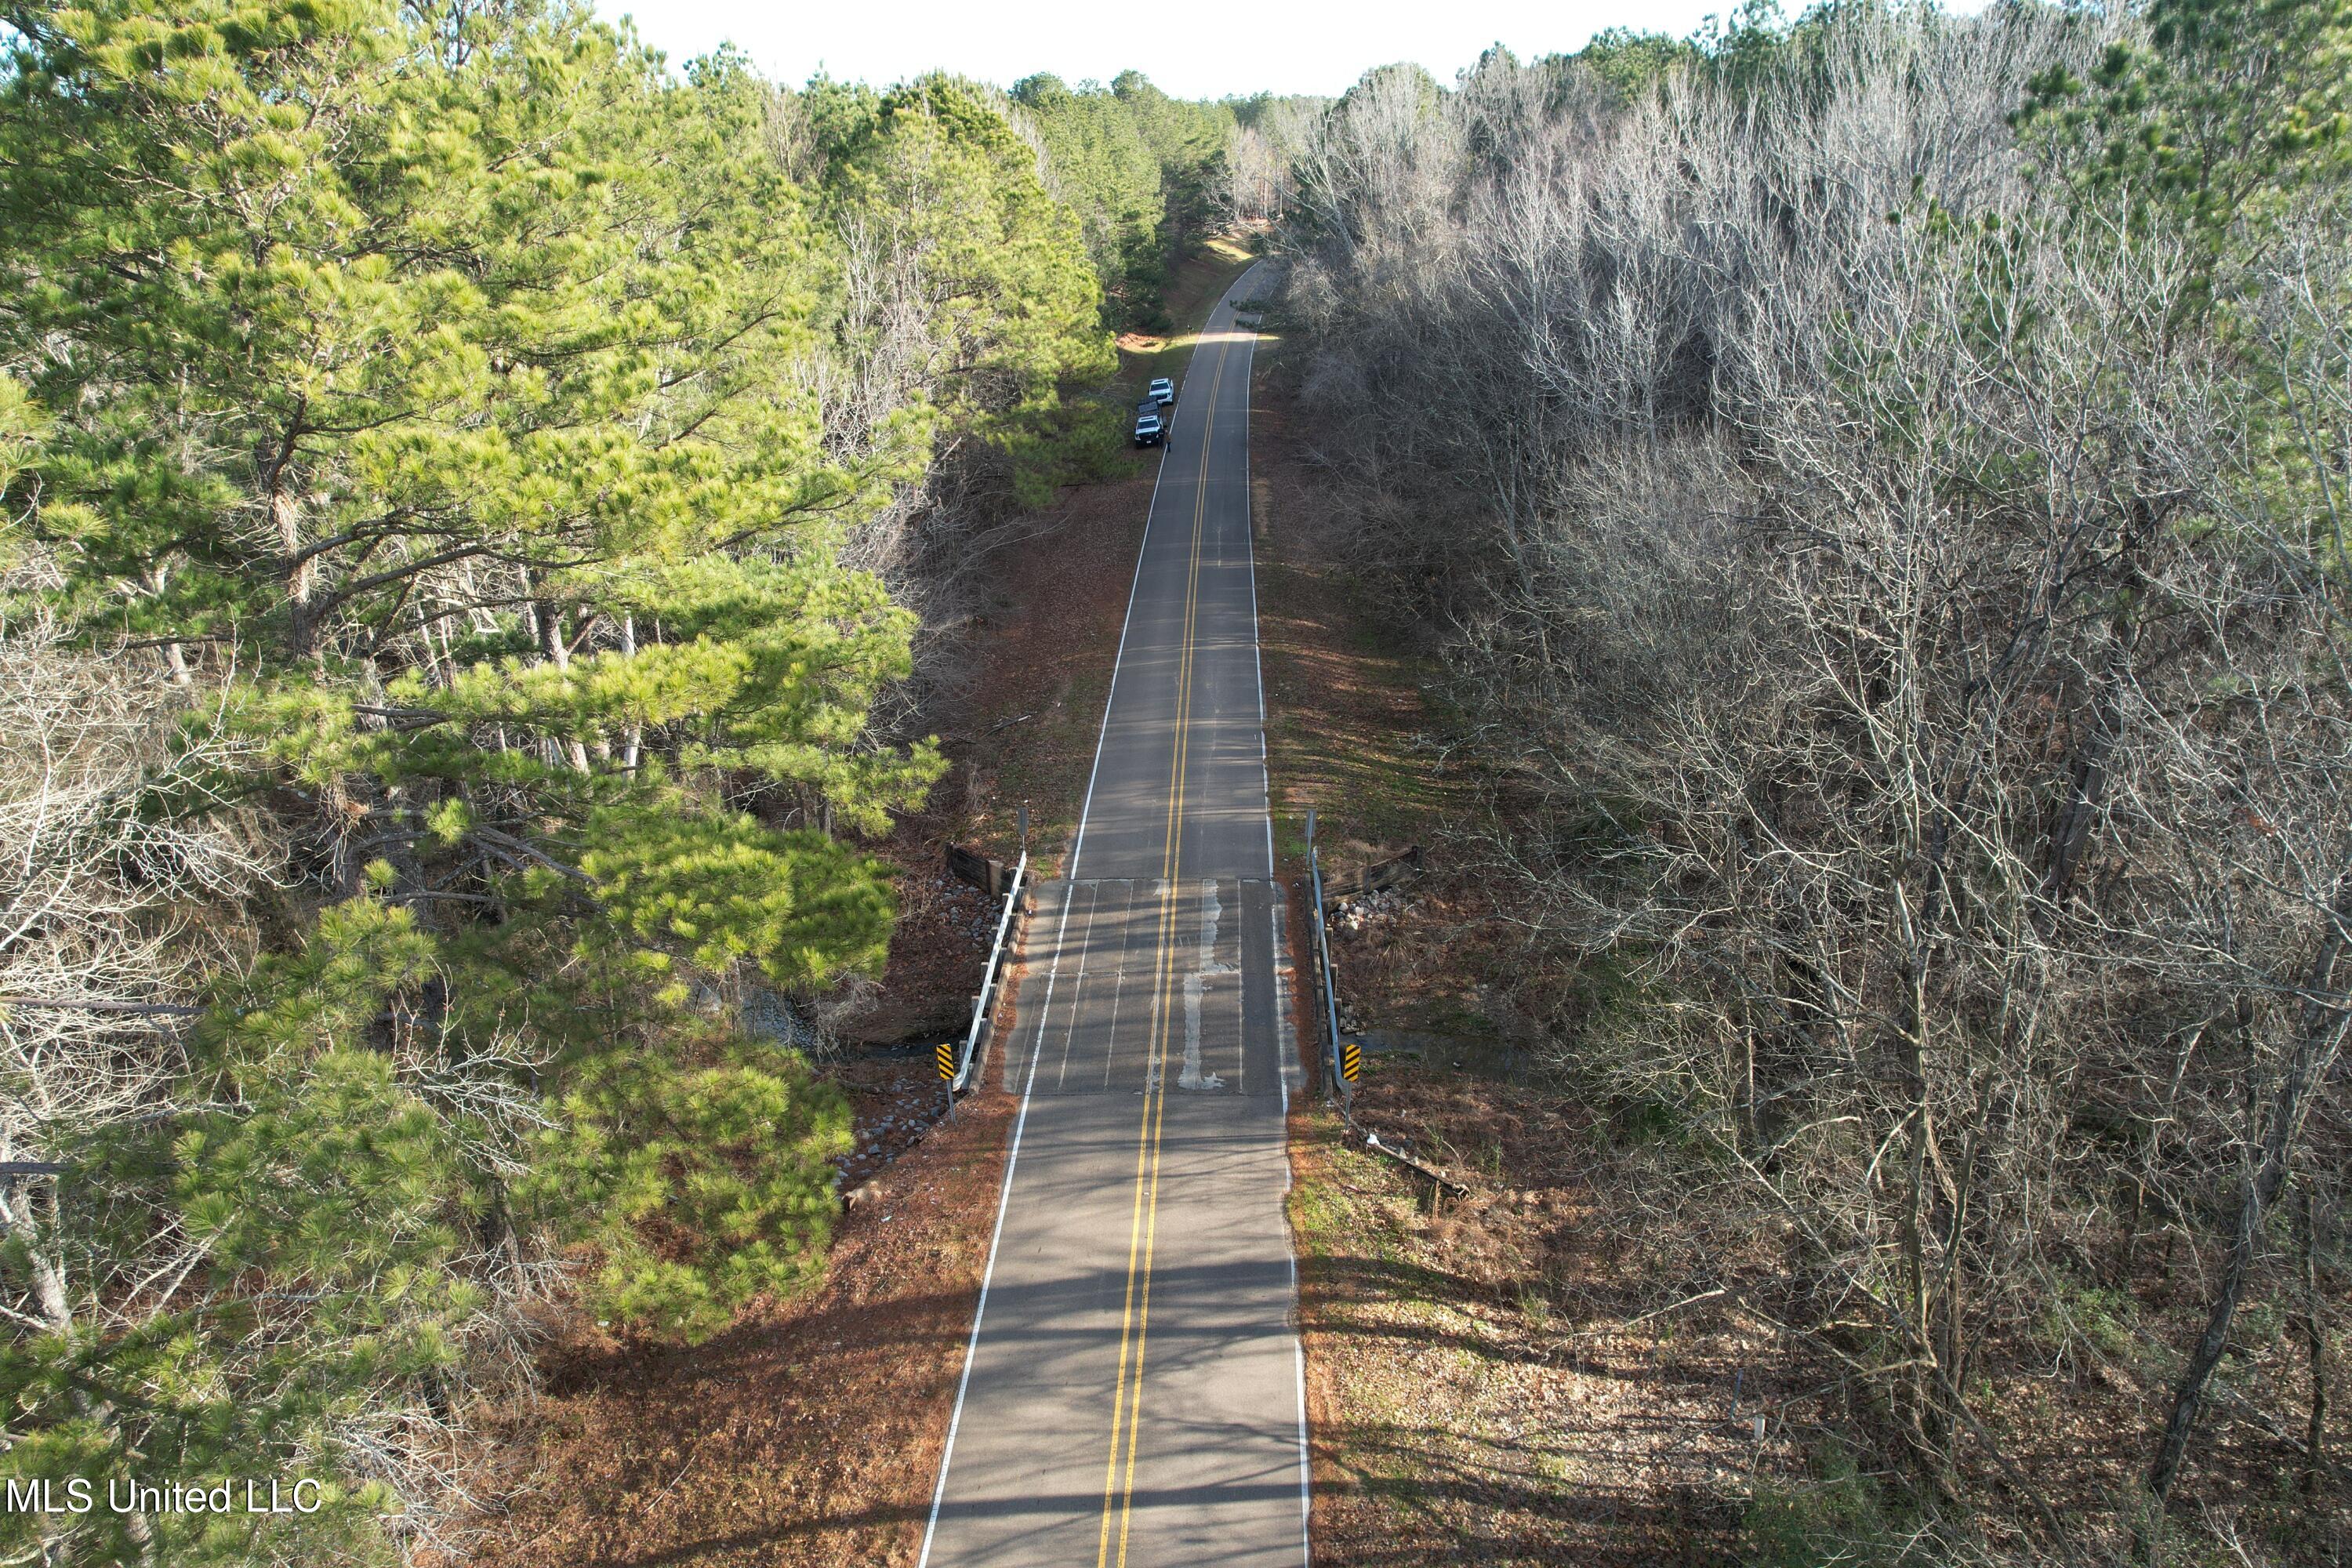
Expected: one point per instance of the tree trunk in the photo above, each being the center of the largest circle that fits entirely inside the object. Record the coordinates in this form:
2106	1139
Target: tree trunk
636	734
2070	831
2317	1039
2314	1338
286	519
547	619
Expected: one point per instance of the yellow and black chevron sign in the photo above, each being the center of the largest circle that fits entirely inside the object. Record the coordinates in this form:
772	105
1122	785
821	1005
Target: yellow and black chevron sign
947	1059
1351	1059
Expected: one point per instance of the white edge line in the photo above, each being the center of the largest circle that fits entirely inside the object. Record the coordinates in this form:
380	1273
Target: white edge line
1249	538
1282	1073
1299	1369
1086	808
1004	1203
1069	876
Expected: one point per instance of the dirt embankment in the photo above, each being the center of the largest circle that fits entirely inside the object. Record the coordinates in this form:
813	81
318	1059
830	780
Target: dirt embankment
807	1434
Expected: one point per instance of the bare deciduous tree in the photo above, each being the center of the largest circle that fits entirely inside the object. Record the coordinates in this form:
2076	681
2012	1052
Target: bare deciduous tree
1912	658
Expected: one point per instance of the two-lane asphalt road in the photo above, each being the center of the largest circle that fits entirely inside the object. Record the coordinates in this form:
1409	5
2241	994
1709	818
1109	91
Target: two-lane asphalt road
1133	1394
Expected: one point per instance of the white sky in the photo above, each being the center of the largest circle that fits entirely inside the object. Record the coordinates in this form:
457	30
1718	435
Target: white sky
1204	51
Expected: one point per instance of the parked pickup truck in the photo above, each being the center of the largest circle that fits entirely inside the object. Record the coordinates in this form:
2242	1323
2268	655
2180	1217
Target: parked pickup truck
1151	423
1163	392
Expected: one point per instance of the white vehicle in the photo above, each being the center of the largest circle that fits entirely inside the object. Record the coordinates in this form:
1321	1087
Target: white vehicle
1163	391
1151	423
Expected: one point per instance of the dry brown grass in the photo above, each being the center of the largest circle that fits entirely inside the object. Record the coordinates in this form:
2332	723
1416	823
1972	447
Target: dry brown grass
1483	1384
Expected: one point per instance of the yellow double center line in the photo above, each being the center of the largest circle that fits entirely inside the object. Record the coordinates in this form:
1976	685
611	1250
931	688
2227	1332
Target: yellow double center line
1135	1313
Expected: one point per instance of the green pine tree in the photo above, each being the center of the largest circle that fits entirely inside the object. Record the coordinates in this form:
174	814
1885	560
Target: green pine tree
456	451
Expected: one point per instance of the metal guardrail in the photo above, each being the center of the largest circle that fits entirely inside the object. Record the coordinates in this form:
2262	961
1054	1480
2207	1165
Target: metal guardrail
1334	1080
1341	1056
968	1061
